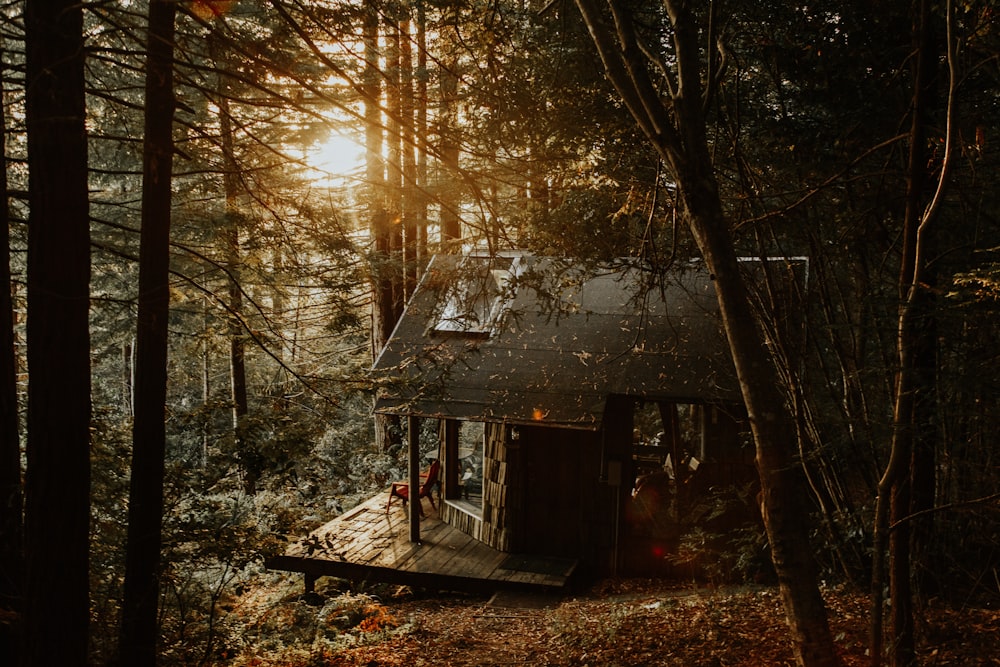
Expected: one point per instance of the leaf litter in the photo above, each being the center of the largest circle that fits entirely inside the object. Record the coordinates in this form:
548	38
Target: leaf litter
614	623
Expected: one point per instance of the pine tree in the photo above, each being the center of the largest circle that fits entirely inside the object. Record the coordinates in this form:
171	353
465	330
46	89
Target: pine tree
57	492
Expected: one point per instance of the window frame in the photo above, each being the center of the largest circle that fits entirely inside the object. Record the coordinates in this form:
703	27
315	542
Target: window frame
454	469
474	303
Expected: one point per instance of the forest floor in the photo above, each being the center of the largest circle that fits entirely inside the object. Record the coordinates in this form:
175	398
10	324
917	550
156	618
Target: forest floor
619	622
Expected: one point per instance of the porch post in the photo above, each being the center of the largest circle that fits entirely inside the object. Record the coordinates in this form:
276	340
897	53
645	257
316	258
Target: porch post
413	442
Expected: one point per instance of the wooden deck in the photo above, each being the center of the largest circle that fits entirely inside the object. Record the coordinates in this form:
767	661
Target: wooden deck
367	544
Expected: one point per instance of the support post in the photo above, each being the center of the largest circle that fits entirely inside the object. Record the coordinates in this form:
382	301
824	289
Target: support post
413	443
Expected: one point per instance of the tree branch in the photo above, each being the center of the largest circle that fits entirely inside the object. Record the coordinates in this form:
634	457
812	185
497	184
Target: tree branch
943	508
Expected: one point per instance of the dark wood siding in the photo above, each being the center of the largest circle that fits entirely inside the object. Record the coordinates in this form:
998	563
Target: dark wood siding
565	502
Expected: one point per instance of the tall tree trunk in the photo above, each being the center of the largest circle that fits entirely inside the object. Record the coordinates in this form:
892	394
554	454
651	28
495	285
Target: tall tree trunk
420	211
678	132
901	594
246	452
926	442
206	380
250	466
383	321
394	185
139	628
772	425
895	490
448	148
409	159
128	378
905	548
57	489
371	85
11	497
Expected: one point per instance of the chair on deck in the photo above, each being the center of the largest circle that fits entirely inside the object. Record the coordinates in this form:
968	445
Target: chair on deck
428	480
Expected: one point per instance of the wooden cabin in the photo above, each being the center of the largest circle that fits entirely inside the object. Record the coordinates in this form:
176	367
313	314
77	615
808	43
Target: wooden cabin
558	391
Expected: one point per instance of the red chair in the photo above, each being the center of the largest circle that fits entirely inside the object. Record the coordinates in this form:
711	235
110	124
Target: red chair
402	489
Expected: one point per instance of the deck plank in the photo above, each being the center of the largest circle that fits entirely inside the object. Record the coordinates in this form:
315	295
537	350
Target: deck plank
401	551
441	551
479	561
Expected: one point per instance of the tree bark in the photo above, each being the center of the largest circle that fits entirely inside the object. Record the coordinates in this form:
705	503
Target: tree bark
407	105
11	494
57	490
140	629
250	465
394	185
246	452
784	500
421	203
383	321
894	487
448	147
678	133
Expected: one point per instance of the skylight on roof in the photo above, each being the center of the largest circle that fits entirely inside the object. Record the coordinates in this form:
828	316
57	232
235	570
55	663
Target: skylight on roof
475	301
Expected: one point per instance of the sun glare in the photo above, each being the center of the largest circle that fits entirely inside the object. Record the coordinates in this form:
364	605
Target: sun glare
337	160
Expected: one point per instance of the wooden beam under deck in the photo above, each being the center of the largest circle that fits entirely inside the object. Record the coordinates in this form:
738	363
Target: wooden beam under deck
368	544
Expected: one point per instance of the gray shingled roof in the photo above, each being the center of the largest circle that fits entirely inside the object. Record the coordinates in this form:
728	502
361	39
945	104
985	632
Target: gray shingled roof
542	342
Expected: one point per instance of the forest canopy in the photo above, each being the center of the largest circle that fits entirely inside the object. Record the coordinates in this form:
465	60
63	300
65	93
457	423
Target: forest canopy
309	159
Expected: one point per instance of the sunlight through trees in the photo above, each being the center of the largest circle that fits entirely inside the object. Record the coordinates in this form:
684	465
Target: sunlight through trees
322	152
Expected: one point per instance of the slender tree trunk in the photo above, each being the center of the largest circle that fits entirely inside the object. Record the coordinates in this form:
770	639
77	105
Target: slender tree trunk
394	186
903	647
772	425
383	320
371	85
206	381
448	148
140	629
57	490
926	442
128	378
11	496
246	452
920	482
279	299
249	463
678	132
895	487
409	159
420	213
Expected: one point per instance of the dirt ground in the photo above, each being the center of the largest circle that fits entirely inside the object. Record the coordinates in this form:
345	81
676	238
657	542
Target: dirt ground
615	623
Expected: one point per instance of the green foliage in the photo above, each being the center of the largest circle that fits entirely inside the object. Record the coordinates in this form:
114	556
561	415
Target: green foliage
805	130
721	539
981	285
286	629
587	223
212	543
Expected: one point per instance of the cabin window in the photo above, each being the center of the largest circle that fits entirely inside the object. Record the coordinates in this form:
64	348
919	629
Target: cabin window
663	433
674	440
475	301
466	459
